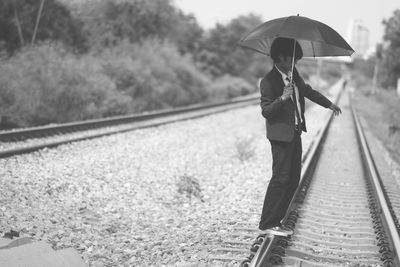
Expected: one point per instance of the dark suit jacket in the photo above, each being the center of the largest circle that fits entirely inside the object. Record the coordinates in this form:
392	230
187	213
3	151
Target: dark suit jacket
279	115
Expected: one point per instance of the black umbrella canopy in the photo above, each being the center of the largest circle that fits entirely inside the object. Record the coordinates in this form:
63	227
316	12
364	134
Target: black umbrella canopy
315	38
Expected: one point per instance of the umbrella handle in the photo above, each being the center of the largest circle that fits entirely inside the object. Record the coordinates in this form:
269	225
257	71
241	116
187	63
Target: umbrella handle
294	52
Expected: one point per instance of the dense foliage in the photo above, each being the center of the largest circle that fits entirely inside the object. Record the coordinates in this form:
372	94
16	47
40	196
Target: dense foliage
18	20
108	22
220	54
100	58
391	54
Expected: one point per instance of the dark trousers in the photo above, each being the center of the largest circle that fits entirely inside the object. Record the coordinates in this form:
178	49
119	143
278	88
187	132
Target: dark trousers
286	171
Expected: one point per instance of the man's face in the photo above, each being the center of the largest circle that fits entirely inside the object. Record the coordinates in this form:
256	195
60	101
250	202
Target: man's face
285	63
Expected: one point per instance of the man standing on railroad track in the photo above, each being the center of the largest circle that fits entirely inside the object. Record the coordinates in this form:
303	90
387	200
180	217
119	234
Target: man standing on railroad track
282	104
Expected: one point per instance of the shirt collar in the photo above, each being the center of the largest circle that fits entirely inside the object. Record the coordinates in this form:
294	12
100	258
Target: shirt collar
284	75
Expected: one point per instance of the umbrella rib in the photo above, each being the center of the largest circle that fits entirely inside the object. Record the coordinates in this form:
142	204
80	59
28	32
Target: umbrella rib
312	45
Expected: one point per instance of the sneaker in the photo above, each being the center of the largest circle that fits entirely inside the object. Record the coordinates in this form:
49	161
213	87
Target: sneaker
278	231
285	227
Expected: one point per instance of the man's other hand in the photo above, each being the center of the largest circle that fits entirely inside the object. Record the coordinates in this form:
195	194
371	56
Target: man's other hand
336	110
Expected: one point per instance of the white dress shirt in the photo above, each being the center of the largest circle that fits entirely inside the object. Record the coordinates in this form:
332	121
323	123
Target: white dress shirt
286	79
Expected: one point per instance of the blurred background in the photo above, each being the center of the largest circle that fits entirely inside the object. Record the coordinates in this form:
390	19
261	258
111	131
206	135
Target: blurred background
72	60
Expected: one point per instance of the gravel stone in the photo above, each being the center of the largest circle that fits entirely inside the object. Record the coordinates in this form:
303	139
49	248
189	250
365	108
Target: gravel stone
116	199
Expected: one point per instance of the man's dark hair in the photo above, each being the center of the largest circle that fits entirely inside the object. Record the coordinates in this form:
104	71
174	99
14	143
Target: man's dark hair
284	47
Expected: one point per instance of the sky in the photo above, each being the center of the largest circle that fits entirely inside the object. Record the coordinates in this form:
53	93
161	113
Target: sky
335	13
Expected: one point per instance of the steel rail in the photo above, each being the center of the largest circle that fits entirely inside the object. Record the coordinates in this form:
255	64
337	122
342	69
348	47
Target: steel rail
383	209
266	251
231	247
21	134
132	122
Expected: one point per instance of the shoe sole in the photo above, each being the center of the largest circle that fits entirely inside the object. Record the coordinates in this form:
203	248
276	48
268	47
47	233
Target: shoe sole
277	233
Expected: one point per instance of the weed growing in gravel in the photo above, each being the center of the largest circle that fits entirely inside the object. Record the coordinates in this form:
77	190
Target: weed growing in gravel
245	148
190	186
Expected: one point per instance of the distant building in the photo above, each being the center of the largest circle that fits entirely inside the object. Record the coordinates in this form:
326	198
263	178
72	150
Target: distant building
358	37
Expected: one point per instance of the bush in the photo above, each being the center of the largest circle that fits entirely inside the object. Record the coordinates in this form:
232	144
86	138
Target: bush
45	84
228	87
155	75
190	186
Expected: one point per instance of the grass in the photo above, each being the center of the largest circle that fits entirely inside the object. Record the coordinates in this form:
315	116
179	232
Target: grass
382	112
245	148
189	186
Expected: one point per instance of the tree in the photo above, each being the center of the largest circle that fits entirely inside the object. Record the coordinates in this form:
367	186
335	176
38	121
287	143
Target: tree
109	22
391	54
19	17
220	54
186	33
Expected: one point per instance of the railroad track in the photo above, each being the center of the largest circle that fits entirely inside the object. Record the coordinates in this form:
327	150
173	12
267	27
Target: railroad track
235	247
343	213
27	140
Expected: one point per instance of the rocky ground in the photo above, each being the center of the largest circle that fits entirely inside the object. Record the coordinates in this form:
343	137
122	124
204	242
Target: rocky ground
163	196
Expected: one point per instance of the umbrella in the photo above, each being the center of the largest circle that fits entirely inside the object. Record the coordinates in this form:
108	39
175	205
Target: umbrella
315	38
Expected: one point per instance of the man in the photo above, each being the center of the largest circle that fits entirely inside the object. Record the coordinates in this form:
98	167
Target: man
282	106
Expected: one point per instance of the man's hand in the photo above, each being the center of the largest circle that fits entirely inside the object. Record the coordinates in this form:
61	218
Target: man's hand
287	92
336	110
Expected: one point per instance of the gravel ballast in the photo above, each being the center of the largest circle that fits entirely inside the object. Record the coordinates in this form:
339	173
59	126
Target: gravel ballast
162	196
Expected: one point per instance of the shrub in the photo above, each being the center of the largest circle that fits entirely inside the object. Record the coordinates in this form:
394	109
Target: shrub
155	75
45	84
190	186
227	87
